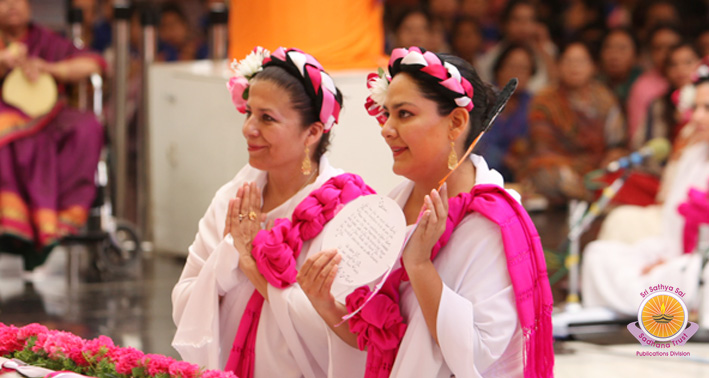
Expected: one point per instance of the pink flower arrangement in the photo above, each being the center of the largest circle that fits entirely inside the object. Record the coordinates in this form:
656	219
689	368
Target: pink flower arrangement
34	344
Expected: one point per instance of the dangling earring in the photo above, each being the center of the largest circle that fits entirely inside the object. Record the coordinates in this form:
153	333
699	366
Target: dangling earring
306	167
452	157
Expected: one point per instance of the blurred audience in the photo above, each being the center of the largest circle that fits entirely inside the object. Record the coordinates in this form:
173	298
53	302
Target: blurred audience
702	41
466	39
519	25
651	84
663	119
177	39
504	145
619	61
413	27
574	127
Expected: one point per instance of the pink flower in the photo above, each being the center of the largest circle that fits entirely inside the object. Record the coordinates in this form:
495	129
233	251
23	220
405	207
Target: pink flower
238	86
58	344
183	369
125	359
9	341
157	364
98	347
30	330
218	374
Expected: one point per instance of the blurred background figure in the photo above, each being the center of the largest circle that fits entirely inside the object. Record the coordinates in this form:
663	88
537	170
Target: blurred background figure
702	41
642	246
584	20
48	157
665	119
466	39
574	127
651	84
178	40
519	24
505	145
413	27
618	65
650	14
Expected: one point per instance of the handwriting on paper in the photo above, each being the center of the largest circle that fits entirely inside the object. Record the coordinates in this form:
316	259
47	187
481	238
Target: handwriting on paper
368	234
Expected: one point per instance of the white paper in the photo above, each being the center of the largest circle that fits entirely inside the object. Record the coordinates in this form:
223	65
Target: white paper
368	233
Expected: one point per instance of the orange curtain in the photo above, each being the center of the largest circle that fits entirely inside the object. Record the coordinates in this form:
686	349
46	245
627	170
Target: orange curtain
341	34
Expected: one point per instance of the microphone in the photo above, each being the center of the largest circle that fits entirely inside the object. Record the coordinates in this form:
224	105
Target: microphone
657	148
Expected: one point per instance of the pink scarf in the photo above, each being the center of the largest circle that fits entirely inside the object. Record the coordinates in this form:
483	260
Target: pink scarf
276	251
695	211
380	327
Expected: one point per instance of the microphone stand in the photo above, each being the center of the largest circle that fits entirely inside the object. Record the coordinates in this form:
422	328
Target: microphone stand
581	215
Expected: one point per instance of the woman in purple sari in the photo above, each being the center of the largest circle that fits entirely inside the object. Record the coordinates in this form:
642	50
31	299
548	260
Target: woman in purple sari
47	162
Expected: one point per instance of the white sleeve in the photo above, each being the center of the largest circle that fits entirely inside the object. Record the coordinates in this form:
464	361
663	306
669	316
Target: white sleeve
477	320
211	271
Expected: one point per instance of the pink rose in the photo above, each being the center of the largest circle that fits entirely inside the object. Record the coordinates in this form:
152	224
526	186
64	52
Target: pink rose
238	86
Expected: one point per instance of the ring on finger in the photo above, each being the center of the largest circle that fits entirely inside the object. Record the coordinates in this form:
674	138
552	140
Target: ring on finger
241	217
252	215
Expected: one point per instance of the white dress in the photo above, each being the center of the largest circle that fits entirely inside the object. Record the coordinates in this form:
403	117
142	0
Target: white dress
212	292
478	328
612	270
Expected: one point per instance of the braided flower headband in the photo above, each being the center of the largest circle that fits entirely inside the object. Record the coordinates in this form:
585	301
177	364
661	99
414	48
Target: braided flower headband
430	67
318	84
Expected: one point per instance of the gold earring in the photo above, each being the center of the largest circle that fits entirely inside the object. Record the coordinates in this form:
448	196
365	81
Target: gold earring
306	167
452	157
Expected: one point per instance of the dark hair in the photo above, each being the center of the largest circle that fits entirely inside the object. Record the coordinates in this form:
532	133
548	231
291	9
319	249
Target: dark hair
497	65
660	27
624	30
685	43
300	99
403	15
582	43
639	17
511	5
483	95
174	8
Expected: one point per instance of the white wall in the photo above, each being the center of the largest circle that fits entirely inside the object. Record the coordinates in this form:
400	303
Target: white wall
196	144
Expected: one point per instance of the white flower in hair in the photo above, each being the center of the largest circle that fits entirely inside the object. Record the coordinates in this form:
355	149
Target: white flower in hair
251	64
378	88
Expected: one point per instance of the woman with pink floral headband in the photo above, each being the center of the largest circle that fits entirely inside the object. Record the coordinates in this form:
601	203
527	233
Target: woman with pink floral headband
471	297
235	305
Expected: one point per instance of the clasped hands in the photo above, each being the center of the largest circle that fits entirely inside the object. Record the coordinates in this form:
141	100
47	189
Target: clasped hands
244	217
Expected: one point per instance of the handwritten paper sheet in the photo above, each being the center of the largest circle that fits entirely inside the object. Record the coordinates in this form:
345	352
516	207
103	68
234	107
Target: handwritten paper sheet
368	232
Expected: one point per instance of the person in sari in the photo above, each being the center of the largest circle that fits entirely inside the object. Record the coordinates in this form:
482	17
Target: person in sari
47	162
235	305
573	128
469	296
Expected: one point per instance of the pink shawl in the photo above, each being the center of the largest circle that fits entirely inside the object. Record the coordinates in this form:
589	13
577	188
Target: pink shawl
380	326
276	251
